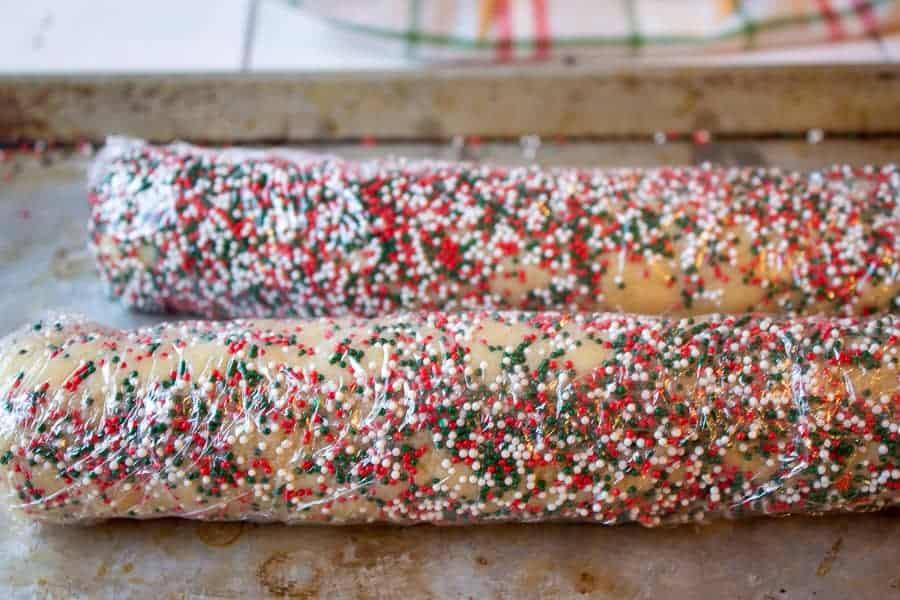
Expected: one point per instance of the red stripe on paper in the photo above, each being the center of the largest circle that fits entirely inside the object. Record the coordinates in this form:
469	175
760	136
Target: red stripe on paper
835	28
863	8
541	29
504	31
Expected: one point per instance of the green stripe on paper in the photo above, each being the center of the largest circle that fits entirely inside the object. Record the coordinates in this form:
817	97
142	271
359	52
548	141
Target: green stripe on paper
414	27
635	38
748	25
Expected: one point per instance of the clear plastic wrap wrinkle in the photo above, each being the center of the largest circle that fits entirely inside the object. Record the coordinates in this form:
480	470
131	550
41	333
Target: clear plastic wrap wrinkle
230	233
452	418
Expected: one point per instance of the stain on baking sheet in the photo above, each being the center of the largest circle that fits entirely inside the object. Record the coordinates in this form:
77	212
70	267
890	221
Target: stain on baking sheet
68	263
219	535
282	574
11	254
586	583
429	127
368	548
589	580
359	563
556	578
830	557
13	115
384	554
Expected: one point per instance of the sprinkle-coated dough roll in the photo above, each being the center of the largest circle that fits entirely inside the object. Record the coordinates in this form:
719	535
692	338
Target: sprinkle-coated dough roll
235	233
452	418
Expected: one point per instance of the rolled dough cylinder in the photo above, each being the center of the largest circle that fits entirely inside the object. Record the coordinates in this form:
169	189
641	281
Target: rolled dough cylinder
452	418
232	233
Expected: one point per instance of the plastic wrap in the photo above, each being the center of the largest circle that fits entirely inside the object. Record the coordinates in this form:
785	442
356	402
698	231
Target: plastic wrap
452	418
235	233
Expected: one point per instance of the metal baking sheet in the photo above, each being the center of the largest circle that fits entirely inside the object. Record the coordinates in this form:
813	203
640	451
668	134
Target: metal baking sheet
44	266
585	101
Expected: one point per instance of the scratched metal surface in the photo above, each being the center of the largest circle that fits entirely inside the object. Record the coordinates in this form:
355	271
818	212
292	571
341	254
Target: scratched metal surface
44	267
570	100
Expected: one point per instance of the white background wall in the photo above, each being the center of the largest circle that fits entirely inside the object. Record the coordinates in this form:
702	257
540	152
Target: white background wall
56	36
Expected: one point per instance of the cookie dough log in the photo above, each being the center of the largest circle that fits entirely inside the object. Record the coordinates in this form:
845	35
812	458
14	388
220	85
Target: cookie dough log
452	418
221	233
